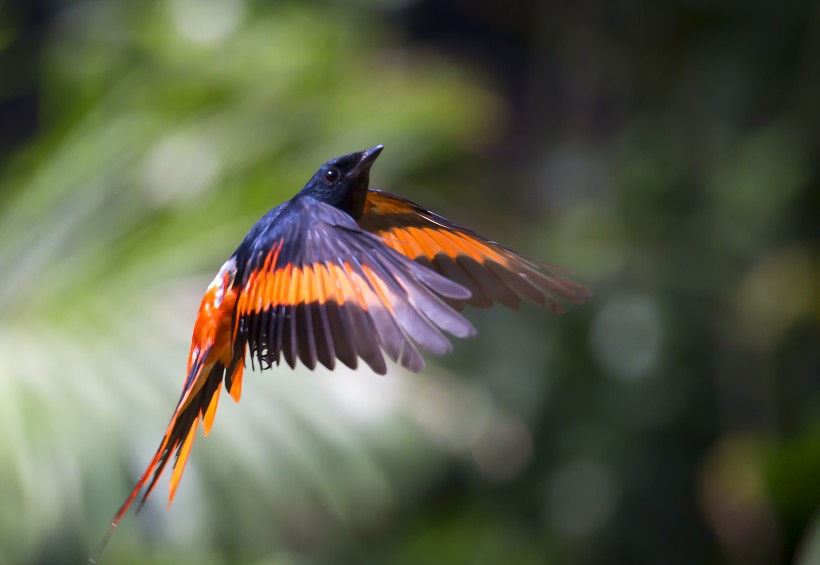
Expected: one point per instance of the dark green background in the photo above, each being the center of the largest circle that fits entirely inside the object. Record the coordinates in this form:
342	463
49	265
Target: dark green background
667	152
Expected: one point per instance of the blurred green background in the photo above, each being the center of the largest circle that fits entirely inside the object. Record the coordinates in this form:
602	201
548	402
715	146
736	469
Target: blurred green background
667	152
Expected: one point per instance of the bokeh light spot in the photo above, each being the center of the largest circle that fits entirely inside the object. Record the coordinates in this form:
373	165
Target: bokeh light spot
581	498
626	336
504	449
179	168
364	395
207	21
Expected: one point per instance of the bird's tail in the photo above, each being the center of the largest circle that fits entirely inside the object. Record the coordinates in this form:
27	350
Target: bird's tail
198	402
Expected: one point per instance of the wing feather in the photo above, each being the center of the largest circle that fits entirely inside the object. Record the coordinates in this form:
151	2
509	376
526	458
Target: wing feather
290	349
341	334
328	290
492	273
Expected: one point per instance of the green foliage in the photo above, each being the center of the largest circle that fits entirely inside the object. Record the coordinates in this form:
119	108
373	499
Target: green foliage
669	160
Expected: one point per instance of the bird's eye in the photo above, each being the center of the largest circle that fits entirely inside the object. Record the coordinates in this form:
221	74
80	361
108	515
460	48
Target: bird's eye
332	175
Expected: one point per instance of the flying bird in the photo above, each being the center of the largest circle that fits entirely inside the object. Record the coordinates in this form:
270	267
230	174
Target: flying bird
341	272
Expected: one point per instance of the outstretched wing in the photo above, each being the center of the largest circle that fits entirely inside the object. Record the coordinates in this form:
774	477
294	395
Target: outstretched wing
316	288
490	272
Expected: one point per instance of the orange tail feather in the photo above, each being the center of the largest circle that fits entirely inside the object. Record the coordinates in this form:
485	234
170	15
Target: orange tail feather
131	497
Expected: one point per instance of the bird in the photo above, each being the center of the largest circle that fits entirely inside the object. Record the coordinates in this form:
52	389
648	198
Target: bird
342	272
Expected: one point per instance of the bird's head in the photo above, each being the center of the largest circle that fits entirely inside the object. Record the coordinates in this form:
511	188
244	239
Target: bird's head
343	181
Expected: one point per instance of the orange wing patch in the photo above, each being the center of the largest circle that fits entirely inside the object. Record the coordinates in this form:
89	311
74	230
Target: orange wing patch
490	271
428	242
318	283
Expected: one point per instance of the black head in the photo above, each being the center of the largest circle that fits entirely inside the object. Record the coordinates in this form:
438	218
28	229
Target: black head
343	181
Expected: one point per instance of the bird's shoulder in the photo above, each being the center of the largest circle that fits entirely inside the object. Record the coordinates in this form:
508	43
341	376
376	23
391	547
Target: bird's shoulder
286	227
262	236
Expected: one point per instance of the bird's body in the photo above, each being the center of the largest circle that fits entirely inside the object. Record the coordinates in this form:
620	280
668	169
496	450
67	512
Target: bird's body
341	272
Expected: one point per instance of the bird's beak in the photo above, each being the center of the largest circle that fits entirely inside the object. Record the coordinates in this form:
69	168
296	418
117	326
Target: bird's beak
366	160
